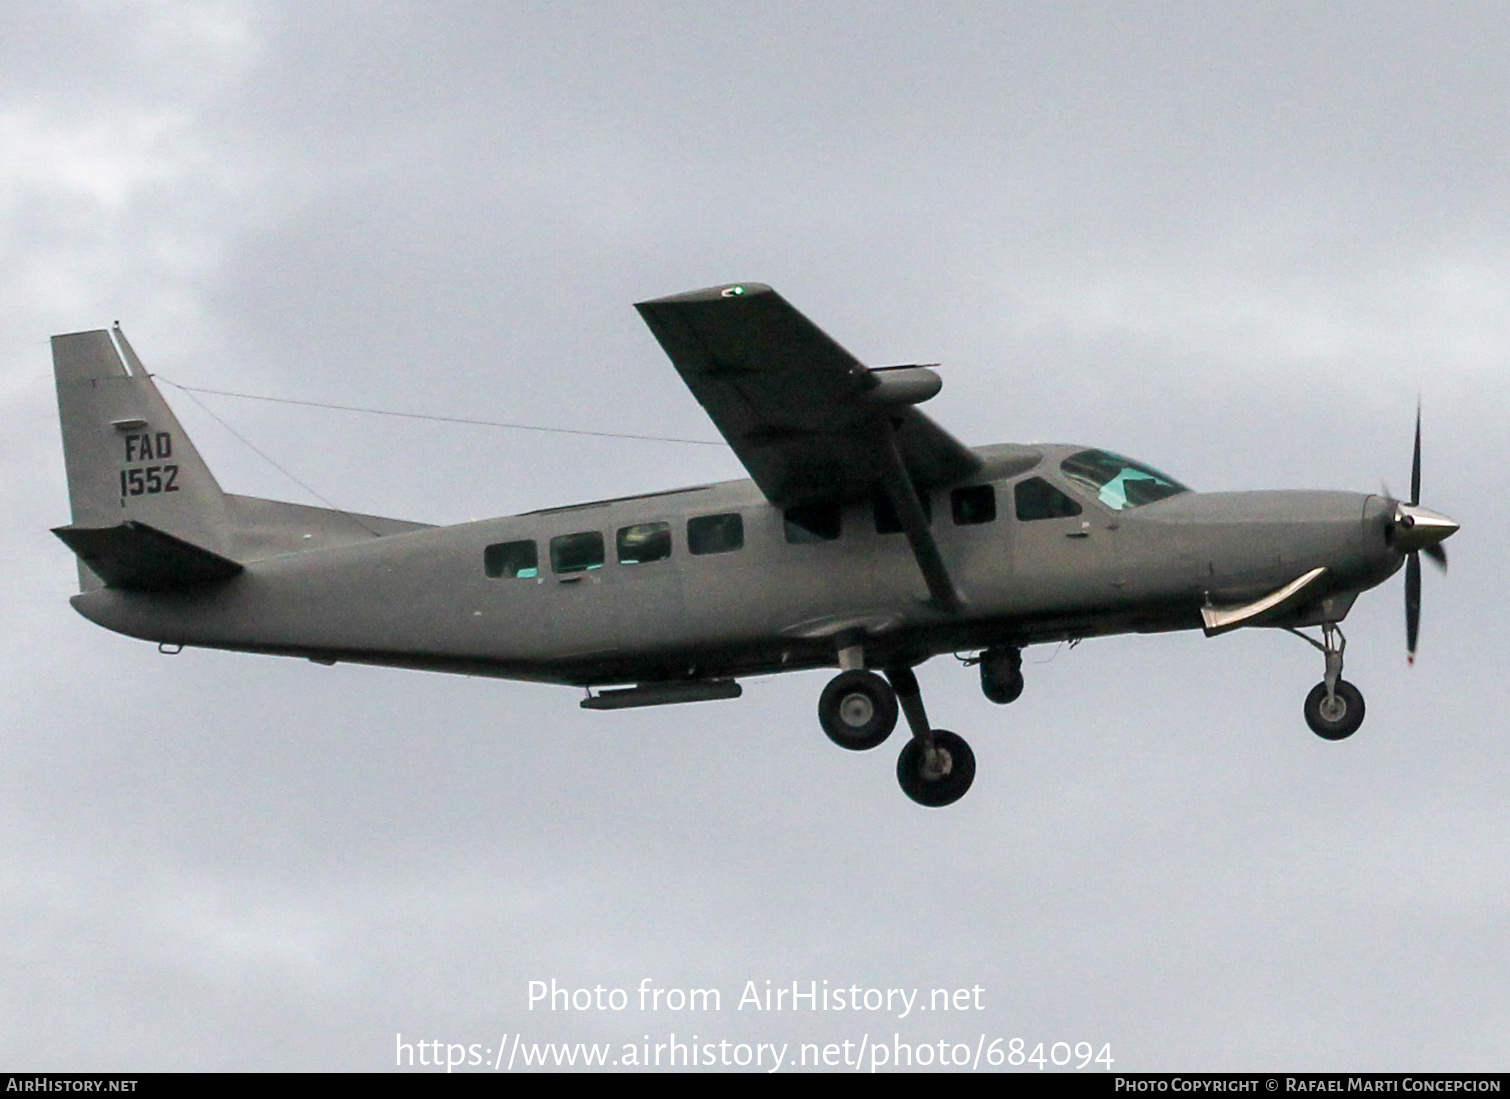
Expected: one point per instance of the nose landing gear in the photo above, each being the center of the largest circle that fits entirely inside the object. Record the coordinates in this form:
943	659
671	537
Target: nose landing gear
1334	708
1336	717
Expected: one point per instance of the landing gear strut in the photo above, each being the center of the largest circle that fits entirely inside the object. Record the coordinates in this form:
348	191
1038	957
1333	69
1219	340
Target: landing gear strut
936	767
1334	708
858	710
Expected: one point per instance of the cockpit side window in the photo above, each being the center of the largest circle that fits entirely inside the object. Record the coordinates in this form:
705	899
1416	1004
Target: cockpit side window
1037	499
1119	482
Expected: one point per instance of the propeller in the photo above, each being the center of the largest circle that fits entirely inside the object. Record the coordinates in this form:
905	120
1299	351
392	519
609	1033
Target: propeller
1415	531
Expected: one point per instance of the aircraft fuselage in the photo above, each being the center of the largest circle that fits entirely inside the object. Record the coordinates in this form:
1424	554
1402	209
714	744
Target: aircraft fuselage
424	599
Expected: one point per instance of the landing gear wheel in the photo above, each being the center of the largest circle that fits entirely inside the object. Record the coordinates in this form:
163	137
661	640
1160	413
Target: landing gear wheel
940	777
1338	717
858	710
1001	675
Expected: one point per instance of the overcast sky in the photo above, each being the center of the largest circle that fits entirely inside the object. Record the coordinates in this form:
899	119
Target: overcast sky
1235	241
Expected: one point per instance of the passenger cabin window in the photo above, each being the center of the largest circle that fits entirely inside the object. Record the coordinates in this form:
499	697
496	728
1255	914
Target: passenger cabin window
1037	499
577	552
976	504
887	520
811	523
715	533
514	560
644	542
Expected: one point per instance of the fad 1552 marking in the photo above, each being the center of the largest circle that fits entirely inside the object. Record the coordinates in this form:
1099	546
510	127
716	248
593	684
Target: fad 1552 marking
146	447
149	480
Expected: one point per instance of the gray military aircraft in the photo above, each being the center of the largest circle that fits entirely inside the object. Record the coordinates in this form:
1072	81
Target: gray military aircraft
867	538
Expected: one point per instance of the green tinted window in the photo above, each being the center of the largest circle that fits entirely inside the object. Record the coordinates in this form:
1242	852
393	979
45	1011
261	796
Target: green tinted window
976	504
715	533
812	523
644	542
577	552
1037	499
511	559
1119	482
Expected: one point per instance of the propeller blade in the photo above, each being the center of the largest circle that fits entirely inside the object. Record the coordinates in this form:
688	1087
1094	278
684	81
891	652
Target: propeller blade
1412	604
1438	555
1415	463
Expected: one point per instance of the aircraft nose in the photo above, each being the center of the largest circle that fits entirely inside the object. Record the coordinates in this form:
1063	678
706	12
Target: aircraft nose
1418	528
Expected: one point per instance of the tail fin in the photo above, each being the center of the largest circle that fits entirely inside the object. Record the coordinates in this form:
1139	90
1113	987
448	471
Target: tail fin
129	460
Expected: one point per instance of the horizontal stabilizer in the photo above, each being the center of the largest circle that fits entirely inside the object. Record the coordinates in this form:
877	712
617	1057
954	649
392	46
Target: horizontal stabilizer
137	557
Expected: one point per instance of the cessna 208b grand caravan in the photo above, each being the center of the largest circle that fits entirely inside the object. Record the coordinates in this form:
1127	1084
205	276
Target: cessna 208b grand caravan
866	538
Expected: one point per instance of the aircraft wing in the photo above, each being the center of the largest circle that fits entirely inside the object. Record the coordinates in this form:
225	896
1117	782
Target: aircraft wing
806	418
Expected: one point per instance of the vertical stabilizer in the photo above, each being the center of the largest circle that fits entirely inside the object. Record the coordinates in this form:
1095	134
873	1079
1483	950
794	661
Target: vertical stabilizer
127	455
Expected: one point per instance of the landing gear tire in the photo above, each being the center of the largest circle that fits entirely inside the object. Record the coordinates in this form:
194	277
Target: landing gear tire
940	777
1338	717
1001	675
858	710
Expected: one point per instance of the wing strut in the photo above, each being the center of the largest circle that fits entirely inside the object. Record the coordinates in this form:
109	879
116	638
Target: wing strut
904	498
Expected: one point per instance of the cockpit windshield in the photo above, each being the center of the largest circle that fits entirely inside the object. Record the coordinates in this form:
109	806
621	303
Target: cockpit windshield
1117	481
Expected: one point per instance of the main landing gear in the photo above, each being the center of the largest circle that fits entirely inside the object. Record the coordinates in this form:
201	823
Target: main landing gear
1334	708
858	710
